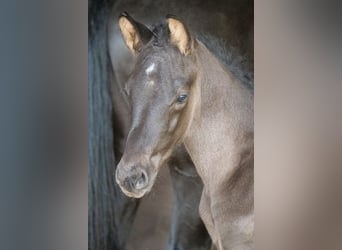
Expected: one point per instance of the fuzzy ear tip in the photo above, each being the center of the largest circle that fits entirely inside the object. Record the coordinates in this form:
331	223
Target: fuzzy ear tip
172	17
124	14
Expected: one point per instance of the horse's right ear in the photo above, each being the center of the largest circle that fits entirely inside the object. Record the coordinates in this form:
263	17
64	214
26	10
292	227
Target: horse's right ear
134	33
180	35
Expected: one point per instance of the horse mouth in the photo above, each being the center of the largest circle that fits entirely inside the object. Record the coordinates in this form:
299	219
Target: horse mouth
136	195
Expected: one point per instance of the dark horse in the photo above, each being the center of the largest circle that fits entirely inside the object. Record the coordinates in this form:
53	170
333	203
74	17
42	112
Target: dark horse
110	212
187	229
179	92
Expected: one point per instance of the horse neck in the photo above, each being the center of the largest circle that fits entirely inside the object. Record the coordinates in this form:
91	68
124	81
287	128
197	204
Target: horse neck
219	90
217	83
223	115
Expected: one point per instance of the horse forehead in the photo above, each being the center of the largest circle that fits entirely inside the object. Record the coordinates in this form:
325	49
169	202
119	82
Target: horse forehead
151	67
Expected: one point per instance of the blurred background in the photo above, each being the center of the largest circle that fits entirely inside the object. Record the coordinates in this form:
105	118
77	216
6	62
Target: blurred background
44	124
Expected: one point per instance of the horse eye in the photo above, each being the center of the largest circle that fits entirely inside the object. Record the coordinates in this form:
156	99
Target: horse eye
182	98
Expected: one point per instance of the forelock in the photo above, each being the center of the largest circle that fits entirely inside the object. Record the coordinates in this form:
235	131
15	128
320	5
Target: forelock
160	34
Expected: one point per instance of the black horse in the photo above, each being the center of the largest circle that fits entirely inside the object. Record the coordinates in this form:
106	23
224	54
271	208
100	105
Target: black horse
110	213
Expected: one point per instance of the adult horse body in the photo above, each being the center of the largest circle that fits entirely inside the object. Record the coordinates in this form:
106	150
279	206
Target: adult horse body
110	213
180	92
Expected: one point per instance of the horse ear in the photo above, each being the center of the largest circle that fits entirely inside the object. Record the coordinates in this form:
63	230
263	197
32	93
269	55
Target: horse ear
134	33
180	35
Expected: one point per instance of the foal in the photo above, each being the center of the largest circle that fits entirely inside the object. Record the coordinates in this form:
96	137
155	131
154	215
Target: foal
180	93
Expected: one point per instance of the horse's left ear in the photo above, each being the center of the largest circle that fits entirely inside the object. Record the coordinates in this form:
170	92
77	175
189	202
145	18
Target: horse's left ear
134	33
180	35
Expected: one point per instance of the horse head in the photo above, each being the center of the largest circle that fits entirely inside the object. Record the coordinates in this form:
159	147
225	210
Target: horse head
162	93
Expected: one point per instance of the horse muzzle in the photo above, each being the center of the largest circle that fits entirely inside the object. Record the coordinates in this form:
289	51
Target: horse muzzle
134	181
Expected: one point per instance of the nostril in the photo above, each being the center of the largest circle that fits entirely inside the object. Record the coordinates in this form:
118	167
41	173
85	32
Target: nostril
141	181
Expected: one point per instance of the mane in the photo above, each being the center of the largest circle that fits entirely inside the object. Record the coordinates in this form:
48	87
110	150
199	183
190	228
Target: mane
236	62
229	56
